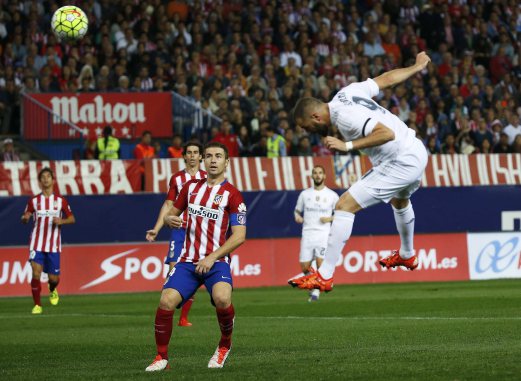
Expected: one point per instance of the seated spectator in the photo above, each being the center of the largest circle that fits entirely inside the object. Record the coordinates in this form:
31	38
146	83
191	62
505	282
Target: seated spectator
144	149
260	149
244	141
485	146
482	133
516	146
304	147
502	146
513	129
9	153
175	151
432	145
449	146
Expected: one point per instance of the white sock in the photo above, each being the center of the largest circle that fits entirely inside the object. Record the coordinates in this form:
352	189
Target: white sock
405	225
338	235
315	292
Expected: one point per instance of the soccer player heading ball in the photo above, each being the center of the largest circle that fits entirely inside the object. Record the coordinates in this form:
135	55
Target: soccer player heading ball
398	159
213	206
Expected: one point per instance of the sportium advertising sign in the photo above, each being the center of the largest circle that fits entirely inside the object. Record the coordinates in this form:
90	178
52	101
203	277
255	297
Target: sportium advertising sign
136	267
129	114
494	255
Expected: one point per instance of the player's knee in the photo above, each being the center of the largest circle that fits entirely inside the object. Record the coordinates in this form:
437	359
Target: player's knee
167	303
222	299
400	203
347	203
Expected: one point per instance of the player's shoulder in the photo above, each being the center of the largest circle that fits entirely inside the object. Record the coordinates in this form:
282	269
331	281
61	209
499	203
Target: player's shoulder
227	186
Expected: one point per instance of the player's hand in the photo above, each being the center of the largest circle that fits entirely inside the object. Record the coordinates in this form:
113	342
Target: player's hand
299	219
25	218
151	235
173	221
422	60
204	265
325	220
57	221
335	144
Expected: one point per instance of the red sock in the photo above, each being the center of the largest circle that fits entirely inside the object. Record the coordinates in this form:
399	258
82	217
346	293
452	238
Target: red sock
163	330
186	309
225	316
36	288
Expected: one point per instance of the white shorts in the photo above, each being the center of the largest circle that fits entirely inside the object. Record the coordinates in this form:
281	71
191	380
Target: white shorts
313	247
398	178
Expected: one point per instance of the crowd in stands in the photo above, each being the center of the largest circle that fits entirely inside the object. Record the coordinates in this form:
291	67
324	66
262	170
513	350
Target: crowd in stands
247	63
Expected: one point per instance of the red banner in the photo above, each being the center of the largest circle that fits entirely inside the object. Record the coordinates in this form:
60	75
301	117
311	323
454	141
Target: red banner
129	114
72	177
137	267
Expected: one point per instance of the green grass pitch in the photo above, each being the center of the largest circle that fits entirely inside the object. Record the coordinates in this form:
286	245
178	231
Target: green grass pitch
421	331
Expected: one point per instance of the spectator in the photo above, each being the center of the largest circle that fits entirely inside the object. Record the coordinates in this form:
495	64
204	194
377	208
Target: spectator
260	149
513	129
276	144
516	146
228	138
449	146
144	149
9	153
108	146
502	146
304	147
175	151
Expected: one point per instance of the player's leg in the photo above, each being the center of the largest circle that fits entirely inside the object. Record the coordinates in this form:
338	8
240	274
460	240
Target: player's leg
219	282
340	232
181	283
176	246
36	260
404	218
52	268
319	254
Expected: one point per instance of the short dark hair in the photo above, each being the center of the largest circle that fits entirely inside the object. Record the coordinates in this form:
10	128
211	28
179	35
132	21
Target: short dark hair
107	130
43	170
303	107
319	166
217	145
192	144
146	132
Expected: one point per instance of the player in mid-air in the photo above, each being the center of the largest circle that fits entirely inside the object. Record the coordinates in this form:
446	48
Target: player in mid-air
314	210
49	212
192	155
214	208
398	159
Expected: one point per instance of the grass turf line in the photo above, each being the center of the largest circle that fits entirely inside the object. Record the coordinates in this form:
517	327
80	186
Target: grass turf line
420	331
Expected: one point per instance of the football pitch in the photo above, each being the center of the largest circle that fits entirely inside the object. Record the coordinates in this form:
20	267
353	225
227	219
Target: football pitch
420	331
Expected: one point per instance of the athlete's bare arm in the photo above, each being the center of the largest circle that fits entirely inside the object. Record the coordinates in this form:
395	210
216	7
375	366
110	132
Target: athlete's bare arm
172	218
396	76
380	135
298	218
152	233
233	242
325	220
64	221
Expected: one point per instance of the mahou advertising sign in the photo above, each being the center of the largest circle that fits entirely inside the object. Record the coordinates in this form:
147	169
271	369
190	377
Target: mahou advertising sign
128	113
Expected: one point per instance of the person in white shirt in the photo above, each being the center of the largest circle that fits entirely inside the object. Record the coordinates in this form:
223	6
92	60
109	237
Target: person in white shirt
513	129
397	156
314	210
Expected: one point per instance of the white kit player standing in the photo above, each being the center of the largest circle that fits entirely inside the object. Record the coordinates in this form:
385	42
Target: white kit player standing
314	210
398	159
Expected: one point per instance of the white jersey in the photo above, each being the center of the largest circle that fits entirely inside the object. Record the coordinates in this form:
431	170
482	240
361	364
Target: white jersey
314	204
355	114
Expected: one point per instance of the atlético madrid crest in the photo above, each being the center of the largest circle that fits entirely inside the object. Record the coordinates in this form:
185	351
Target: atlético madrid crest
217	199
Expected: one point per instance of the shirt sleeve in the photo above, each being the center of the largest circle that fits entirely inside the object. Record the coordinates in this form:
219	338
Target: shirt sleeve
66	208
300	203
172	190
30	206
237	209
181	202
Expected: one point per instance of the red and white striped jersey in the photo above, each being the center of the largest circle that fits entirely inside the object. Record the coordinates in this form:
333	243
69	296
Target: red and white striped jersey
46	236
177	181
211	211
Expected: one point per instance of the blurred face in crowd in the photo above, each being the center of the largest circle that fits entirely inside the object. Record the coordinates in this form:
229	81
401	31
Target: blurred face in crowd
146	139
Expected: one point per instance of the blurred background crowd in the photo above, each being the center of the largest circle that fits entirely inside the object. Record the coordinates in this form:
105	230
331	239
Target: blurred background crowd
247	62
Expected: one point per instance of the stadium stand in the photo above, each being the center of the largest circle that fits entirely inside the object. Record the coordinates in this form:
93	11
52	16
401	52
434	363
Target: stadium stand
247	62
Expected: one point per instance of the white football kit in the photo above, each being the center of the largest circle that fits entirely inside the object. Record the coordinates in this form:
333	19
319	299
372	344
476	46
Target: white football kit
312	205
398	165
